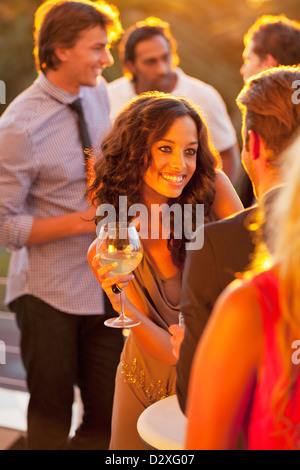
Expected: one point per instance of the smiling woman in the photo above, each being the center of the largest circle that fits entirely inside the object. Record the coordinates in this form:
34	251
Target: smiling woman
157	153
173	159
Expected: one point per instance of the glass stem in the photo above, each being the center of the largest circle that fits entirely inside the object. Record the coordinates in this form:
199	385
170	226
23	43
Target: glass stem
122	301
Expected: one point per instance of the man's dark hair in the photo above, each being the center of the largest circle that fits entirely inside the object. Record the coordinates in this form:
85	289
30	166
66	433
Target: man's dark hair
271	109
59	23
278	36
142	31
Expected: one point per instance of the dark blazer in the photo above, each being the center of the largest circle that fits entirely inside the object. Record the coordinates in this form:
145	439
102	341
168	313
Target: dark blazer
226	251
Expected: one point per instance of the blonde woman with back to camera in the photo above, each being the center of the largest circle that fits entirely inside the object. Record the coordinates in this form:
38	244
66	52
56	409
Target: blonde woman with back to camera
247	365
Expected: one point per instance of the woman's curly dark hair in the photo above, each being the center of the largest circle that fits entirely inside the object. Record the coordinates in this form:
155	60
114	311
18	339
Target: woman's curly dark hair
126	156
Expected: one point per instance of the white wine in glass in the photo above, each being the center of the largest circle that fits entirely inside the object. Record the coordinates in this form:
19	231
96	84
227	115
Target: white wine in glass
119	242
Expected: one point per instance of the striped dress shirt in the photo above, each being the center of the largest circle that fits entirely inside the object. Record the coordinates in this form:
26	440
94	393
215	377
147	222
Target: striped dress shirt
42	174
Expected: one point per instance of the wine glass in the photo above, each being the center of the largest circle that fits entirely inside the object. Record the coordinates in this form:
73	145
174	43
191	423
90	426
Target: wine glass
120	242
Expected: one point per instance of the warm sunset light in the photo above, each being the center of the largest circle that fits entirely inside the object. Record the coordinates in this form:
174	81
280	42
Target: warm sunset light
150	227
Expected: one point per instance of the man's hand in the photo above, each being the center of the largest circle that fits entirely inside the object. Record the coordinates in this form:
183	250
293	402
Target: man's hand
87	219
176	339
55	228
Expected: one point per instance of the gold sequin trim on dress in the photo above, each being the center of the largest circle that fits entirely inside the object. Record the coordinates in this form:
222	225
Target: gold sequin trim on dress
154	391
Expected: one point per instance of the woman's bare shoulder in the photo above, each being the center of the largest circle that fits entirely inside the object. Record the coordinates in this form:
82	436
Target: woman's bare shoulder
227	201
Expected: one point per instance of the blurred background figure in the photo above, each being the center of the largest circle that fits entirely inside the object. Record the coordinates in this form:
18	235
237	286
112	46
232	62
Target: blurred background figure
271	118
149	57
246	368
47	224
270	42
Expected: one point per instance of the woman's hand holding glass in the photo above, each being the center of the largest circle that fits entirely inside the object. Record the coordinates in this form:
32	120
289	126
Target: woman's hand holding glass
108	279
119	252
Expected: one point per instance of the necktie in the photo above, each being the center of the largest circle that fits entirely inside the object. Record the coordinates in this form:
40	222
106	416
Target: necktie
83	130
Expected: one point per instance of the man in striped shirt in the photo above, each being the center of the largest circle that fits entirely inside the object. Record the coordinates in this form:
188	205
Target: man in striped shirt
46	222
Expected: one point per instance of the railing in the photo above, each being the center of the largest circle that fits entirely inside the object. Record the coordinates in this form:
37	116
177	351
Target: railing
11	373
4	261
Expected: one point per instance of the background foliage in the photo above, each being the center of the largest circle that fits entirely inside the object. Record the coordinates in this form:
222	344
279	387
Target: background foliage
209	35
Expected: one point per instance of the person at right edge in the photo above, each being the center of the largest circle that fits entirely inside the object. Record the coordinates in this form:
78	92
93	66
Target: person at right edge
271	118
270	42
245	375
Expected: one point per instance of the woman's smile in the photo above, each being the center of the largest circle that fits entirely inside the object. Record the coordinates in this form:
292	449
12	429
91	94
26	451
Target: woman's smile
173	178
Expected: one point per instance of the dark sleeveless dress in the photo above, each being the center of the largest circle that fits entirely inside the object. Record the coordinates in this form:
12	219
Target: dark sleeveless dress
142	380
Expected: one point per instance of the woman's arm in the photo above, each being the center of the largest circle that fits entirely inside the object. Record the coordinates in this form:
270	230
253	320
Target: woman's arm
226	200
224	370
153	339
